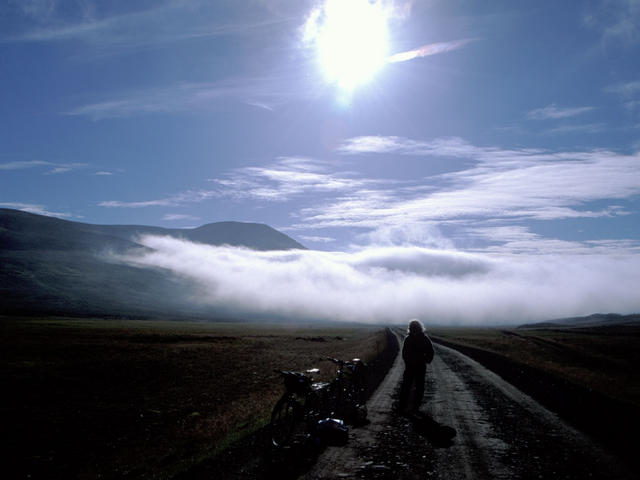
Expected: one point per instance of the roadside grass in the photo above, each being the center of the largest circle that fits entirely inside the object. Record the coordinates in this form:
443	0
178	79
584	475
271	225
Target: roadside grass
602	359
117	398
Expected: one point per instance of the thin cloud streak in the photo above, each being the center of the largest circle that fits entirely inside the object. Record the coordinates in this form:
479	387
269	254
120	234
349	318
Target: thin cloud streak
491	183
440	147
317	239
285	178
584	128
150	28
33	208
264	93
191	196
554	112
179	216
626	90
65	167
541	186
427	50
56	168
393	284
513	239
19	165
617	21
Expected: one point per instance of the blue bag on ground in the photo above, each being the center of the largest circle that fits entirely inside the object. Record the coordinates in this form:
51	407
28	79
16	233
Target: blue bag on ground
332	431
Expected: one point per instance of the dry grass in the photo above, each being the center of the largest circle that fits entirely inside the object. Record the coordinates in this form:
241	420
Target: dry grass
116	398
606	360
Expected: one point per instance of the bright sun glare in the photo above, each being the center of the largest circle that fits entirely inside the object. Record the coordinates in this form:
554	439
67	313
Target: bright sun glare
351	40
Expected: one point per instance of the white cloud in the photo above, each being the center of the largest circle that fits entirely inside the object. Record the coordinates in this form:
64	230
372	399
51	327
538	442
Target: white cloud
179	216
55	167
394	284
632	105
265	92
19	165
428	50
167	22
426	235
553	112
285	178
514	239
191	196
65	167
103	173
580	128
453	146
37	209
628	93
503	183
627	90
182	97
616	20
440	147
513	186
317	239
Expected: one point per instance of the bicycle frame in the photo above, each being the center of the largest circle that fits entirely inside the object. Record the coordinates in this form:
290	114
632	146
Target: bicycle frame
298	410
305	402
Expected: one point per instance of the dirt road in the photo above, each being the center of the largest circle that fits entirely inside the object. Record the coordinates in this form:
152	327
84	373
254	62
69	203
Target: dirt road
500	433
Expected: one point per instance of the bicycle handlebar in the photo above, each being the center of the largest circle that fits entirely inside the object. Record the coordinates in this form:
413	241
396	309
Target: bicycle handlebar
341	363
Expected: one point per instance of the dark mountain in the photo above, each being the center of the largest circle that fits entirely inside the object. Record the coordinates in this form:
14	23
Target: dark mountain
253	235
595	320
22	230
49	265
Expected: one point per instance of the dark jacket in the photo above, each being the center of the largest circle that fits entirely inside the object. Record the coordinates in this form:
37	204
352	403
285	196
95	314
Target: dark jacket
417	350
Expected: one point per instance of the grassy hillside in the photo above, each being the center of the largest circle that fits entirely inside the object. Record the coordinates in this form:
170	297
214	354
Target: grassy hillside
54	266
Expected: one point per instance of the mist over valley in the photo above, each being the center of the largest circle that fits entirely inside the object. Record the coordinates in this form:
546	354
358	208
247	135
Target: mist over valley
251	271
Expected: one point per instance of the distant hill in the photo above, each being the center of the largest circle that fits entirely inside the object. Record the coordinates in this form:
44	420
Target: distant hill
595	320
21	230
49	265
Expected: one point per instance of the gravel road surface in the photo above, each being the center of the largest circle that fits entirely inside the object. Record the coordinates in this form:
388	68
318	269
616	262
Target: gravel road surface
500	433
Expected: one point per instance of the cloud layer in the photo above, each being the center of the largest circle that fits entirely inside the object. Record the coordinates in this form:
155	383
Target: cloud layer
394	284
502	184
486	194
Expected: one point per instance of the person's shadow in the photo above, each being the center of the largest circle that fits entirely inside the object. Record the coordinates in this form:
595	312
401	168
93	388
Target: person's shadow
439	435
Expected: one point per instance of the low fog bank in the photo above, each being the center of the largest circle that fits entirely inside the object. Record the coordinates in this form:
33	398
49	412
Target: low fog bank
393	284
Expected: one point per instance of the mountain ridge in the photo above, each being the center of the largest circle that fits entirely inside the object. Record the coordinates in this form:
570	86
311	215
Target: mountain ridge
593	320
55	266
257	236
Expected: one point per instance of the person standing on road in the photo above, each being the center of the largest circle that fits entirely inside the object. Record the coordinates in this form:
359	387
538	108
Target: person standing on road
417	351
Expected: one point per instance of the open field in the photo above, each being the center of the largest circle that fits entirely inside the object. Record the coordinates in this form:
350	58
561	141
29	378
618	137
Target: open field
590	376
112	398
605	360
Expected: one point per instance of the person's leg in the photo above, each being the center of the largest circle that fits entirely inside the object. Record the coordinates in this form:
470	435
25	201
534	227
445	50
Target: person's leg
419	383
405	388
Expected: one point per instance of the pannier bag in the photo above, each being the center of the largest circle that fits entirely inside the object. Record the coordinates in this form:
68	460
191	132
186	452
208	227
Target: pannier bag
332	431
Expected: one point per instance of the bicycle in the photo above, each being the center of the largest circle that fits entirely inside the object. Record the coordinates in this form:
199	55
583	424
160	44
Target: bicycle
348	390
297	412
306	404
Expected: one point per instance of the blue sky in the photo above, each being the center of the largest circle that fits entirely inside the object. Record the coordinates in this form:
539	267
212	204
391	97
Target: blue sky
519	129
494	128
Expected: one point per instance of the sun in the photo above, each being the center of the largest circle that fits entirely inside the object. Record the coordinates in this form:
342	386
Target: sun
351	40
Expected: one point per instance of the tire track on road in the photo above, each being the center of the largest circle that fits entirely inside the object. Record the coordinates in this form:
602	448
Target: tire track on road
502	432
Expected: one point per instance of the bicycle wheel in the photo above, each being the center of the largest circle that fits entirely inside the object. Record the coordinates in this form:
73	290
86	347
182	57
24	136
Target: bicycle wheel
336	398
283	421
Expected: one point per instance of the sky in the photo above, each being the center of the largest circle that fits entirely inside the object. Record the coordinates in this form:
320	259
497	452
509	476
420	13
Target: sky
496	133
